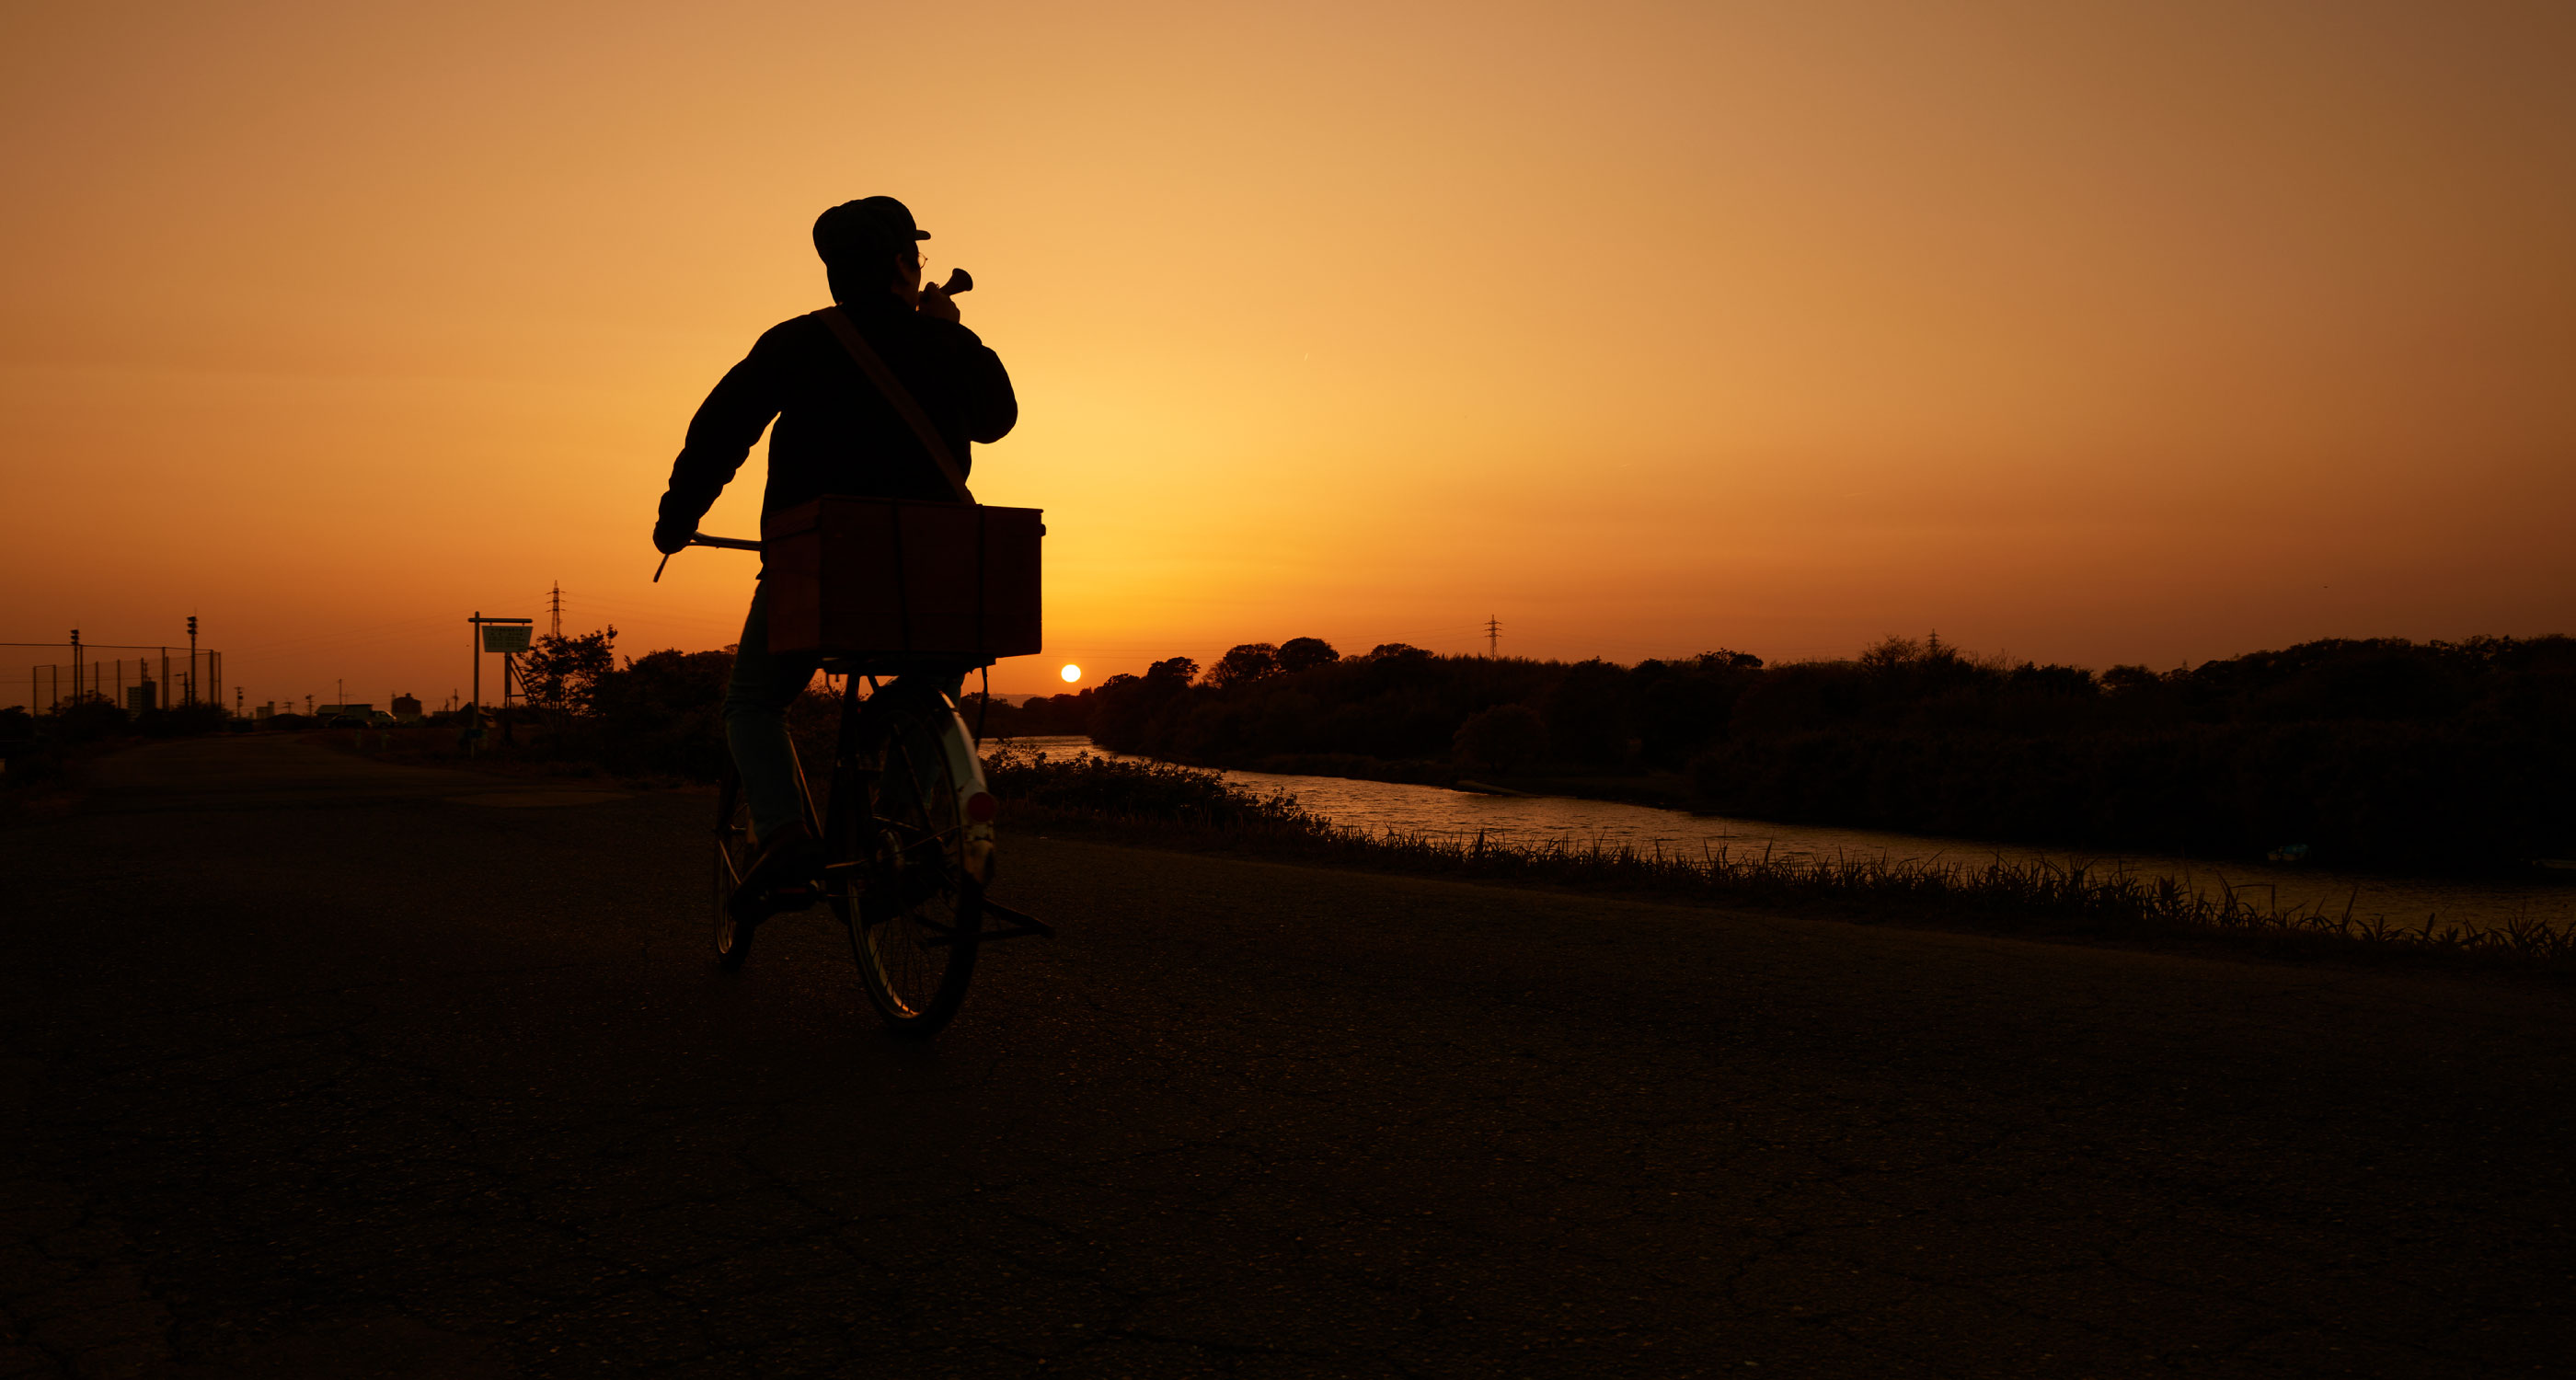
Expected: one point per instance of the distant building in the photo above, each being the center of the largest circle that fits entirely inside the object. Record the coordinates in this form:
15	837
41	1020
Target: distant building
142	697
407	708
264	711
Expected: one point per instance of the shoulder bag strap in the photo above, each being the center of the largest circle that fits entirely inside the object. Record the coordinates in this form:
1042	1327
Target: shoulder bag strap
895	393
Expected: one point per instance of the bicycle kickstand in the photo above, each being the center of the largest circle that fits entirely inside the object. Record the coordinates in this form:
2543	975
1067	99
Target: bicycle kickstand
1021	924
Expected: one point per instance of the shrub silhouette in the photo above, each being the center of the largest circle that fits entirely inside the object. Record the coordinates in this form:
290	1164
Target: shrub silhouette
1245	664
1507	738
88	718
1306	653
663	712
1591	716
563	674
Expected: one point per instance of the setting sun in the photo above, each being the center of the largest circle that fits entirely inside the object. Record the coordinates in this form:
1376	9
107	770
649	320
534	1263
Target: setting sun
1071	673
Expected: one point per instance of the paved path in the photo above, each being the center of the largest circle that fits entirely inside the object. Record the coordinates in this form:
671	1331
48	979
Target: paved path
309	1066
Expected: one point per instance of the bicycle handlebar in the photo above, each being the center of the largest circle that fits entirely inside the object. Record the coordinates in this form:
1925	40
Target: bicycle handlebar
702	539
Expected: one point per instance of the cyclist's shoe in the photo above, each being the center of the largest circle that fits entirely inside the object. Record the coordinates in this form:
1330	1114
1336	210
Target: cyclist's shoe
786	874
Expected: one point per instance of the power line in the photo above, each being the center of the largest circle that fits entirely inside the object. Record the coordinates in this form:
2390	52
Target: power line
309	641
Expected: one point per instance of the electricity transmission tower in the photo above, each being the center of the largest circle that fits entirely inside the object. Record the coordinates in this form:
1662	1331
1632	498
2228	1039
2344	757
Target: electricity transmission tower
1493	635
557	598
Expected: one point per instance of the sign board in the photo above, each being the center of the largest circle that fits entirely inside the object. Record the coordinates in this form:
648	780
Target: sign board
505	637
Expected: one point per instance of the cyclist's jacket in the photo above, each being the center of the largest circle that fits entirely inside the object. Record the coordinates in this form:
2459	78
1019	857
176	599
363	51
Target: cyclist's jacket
836	433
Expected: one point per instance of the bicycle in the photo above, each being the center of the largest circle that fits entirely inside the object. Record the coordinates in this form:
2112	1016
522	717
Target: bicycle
907	836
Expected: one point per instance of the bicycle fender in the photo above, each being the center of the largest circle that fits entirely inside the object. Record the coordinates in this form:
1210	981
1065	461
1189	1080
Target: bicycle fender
967	770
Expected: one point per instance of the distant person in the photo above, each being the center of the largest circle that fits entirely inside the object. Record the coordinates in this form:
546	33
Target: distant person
837	433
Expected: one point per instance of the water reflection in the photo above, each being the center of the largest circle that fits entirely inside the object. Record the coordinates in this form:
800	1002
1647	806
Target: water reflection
1540	820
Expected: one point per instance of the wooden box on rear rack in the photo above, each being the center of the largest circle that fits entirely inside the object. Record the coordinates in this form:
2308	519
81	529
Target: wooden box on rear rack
889	577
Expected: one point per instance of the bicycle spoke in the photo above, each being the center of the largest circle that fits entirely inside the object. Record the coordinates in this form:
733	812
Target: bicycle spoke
912	924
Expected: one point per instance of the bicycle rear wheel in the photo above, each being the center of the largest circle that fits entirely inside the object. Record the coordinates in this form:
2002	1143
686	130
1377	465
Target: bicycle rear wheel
910	901
733	859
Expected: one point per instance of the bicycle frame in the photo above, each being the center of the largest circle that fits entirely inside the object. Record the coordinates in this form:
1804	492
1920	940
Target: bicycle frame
973	802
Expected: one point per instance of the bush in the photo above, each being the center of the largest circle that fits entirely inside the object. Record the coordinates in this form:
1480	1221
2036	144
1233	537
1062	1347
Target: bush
1305	654
88	719
1506	738
661	713
1099	788
183	720
1245	664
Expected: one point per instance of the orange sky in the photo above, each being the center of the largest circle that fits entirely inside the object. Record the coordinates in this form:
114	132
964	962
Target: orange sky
2094	333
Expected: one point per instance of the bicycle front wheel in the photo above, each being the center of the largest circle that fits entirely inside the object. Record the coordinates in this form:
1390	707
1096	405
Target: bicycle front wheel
912	904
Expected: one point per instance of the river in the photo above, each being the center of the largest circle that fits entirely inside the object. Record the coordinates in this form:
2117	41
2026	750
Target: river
1540	820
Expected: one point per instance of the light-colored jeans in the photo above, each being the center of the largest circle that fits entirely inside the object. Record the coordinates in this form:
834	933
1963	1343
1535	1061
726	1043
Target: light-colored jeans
755	721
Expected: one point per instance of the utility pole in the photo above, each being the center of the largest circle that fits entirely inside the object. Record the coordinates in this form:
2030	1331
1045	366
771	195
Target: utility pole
192	658
76	663
558	609
1493	635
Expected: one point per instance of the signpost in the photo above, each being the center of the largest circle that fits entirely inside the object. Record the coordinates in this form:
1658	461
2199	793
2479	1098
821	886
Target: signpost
507	636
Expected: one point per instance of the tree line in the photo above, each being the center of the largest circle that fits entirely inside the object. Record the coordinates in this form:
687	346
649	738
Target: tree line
2373	752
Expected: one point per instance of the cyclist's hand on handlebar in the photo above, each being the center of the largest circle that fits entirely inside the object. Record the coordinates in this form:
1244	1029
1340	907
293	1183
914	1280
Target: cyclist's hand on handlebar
669	538
937	303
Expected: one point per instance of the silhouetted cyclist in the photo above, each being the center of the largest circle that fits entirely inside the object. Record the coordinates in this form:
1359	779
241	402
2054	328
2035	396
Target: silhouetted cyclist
837	433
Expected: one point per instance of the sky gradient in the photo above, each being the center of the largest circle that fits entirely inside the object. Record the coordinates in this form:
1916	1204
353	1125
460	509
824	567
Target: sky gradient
2103	333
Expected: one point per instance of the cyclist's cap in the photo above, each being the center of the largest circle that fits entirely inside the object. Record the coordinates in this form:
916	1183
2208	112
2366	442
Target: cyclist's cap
861	227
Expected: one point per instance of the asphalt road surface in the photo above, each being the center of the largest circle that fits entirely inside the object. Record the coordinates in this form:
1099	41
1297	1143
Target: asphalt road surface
319	1067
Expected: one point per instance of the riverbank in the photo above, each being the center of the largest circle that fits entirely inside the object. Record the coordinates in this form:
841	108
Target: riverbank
1671	791
1168	806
